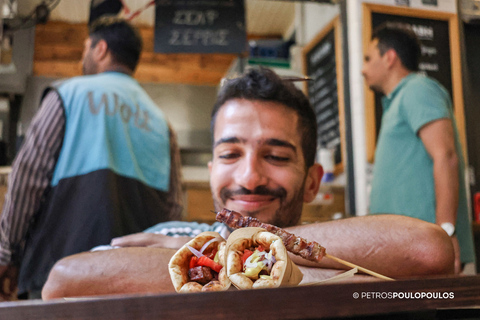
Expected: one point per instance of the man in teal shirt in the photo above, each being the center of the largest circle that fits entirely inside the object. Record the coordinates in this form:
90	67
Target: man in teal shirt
419	168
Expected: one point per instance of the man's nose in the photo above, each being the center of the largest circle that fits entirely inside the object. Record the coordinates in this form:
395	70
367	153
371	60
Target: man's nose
251	173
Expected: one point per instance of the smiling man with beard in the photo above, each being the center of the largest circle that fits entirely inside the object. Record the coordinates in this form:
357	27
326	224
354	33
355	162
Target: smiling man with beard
264	146
264	142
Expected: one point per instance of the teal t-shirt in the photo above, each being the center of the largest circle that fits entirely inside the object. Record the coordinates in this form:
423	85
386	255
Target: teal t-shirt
403	181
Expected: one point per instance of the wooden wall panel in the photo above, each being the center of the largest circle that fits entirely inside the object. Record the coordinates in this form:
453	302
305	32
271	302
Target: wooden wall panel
59	46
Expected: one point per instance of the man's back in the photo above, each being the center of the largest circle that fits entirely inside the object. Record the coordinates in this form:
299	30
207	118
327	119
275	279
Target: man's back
112	176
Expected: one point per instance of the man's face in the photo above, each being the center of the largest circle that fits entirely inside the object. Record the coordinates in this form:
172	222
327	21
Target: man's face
88	63
258	168
374	67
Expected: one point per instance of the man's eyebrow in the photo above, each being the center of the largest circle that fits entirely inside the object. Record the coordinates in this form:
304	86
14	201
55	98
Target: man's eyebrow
270	142
227	140
280	143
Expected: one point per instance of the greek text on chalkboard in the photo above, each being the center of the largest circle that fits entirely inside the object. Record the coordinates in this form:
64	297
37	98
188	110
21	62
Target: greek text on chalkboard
195	37
200	26
192	37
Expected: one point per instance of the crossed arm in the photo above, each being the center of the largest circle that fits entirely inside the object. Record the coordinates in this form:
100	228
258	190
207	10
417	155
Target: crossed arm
396	246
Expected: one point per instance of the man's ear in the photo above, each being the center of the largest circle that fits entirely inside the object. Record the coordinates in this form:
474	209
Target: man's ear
312	182
391	57
210	167
100	51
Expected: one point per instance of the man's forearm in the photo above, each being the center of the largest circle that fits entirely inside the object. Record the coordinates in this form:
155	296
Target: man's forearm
445	173
393	245
116	271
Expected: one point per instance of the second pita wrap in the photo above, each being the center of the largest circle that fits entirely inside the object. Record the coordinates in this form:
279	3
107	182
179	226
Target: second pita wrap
283	272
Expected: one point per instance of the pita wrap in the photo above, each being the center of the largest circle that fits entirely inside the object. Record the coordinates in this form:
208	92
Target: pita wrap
179	265
283	273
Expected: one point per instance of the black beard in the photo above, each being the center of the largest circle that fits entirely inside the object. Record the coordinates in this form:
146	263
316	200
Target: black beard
279	193
287	215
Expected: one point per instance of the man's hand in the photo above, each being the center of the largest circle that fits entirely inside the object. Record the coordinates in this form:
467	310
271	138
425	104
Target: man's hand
8	283
145	239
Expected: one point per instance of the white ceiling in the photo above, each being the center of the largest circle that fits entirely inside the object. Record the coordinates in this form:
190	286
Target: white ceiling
263	17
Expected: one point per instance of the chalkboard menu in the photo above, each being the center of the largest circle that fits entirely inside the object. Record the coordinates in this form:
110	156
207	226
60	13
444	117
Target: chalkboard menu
200	26
321	62
438	36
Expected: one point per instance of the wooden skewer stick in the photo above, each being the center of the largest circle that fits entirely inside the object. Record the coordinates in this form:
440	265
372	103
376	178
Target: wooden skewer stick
351	265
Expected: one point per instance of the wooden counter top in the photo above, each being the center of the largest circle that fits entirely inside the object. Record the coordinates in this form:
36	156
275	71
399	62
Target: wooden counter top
307	302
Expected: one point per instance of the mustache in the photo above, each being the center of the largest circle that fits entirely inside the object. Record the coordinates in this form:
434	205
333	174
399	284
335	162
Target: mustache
279	192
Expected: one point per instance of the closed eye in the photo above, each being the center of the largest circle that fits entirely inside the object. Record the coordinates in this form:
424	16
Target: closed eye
229	156
277	158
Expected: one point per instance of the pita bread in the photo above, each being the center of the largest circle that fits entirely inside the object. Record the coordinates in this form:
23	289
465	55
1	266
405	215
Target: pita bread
179	265
284	272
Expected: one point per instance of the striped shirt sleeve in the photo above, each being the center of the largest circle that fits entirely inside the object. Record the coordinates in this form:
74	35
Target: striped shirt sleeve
179	229
188	228
31	173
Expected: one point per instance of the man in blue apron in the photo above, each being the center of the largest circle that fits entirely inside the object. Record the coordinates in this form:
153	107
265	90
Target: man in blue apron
96	162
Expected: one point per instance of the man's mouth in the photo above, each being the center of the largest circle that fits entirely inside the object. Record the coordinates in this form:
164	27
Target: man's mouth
253	198
251	202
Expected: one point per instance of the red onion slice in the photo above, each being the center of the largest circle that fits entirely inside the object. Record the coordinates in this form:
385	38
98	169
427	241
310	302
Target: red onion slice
195	251
270	261
249	263
208	243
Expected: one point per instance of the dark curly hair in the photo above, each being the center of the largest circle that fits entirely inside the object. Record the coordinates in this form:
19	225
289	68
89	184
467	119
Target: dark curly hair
123	40
265	85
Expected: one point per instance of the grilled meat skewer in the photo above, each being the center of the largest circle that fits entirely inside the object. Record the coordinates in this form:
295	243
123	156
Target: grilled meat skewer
309	250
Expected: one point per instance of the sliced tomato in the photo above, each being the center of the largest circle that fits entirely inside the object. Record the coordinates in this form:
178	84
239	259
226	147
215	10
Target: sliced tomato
260	248
207	262
193	262
246	253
